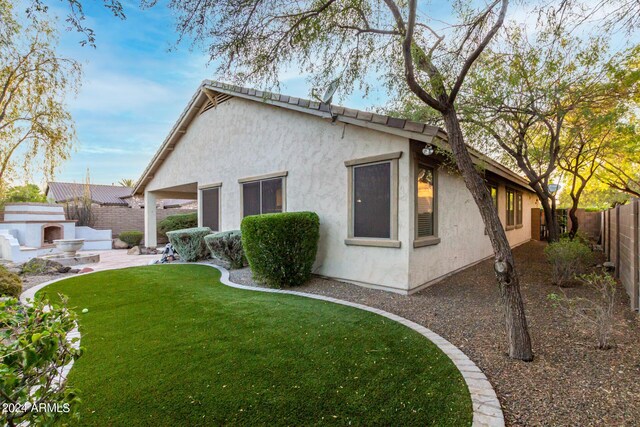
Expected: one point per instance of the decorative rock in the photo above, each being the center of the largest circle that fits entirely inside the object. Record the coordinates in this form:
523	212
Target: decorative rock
148	251
74	271
86	270
64	269
134	251
119	244
37	266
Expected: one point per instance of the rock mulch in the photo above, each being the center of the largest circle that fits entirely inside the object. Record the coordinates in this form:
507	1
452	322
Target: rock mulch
570	382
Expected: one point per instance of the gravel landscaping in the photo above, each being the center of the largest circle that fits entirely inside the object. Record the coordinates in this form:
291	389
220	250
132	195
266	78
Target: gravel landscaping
570	382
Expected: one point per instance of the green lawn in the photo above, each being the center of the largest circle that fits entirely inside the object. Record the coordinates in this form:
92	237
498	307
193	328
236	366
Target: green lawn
170	345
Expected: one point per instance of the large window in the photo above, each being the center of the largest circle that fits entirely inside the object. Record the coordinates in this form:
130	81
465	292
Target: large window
210	202
263	196
373	201
425	202
514	208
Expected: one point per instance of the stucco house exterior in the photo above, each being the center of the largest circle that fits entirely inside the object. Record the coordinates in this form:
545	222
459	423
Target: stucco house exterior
391	217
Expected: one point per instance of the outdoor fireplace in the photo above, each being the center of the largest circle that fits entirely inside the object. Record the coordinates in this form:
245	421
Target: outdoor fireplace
51	232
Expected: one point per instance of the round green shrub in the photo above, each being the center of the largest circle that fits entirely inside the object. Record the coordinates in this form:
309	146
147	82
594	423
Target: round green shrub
10	283
569	258
227	246
131	238
189	243
178	222
281	248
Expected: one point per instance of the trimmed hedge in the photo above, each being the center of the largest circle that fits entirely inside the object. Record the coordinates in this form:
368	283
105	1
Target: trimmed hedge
178	222
227	245
131	238
281	247
189	243
10	283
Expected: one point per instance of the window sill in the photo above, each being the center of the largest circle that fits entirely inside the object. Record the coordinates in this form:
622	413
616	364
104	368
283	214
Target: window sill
519	226
510	227
364	241
426	241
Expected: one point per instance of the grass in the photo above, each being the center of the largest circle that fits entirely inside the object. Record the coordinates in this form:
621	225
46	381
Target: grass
170	345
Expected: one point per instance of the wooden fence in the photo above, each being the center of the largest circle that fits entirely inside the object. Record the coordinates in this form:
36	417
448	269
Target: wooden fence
621	243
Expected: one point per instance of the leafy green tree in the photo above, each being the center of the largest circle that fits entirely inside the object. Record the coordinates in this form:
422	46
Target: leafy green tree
349	40
24	193
35	125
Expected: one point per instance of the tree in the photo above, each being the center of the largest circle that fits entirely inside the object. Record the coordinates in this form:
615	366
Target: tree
24	193
525	90
253	40
594	139
126	182
34	80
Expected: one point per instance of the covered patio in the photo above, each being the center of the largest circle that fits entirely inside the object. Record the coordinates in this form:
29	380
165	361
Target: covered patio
187	191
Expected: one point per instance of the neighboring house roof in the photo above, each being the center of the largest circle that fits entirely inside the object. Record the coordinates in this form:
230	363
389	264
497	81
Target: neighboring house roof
211	93
105	195
61	192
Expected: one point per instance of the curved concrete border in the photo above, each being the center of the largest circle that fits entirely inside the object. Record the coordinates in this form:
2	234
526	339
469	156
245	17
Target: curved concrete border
486	407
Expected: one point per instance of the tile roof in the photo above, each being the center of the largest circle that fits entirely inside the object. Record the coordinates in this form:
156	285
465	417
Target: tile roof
212	92
102	194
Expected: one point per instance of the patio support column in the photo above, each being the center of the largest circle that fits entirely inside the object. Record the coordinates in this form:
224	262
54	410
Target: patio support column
150	233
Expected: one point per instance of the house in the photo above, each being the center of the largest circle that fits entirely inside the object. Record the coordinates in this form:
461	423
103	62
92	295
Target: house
393	215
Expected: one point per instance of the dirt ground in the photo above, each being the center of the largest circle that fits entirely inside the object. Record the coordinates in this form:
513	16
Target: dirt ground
570	382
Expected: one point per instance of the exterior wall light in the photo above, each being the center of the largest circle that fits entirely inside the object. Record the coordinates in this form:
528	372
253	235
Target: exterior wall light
427	150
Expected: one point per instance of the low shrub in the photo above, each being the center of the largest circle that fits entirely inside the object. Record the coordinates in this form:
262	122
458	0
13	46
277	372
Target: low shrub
10	283
131	238
189	243
35	345
178	222
596	311
227	246
568	259
281	247
580	236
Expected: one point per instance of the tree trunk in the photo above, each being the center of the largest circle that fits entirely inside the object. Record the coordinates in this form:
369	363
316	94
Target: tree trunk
508	281
574	219
550	218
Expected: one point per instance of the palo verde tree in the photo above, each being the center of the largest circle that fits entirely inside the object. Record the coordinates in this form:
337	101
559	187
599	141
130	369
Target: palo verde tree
402	46
525	89
34	80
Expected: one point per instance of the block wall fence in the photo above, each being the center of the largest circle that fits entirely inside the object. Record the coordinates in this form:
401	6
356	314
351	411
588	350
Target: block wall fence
621	244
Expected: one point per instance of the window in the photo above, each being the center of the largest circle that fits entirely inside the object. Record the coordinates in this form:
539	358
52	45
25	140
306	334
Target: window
493	190
263	195
514	208
210	202
373	201
425	202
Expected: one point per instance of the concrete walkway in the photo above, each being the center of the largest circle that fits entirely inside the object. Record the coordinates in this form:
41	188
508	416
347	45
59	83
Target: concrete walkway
117	258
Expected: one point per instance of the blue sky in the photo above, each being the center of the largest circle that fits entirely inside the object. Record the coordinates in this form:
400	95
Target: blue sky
135	84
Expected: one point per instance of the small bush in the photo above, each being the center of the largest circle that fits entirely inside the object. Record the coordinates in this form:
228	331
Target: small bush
131	238
189	243
227	246
568	259
580	236
10	283
178	222
35	345
281	247
597	311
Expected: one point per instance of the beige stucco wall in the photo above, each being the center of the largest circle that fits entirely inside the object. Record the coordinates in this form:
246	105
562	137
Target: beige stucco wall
461	231
243	138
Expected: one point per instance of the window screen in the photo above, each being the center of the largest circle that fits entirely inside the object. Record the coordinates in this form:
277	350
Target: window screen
511	207
211	208
425	202
518	208
251	198
271	196
372	200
